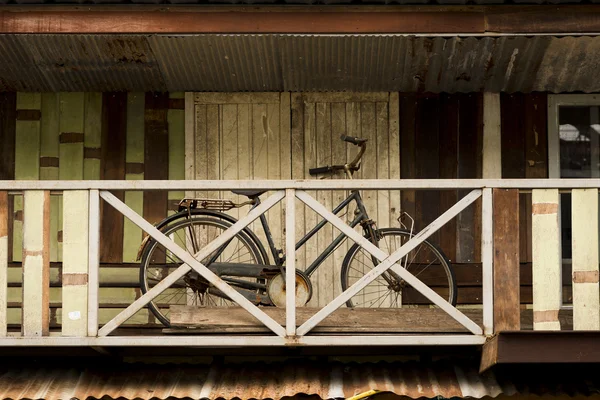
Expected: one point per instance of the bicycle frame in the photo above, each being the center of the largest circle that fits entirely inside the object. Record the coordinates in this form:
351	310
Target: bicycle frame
279	257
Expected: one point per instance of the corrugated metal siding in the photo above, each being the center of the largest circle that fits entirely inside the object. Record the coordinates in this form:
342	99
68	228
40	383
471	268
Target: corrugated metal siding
300	63
254	380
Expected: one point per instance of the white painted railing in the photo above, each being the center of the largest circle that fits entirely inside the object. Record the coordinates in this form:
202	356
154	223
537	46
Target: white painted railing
81	202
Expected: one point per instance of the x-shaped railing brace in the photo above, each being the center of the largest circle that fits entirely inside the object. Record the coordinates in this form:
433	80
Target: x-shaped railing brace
386	262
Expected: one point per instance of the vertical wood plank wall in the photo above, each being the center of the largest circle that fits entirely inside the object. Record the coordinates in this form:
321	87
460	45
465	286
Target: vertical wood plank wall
87	136
524	143
240	136
273	135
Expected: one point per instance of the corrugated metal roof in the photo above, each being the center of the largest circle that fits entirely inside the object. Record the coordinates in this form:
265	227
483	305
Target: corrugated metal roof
299	63
259	380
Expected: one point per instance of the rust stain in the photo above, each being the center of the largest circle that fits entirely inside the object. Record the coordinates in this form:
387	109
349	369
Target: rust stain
586	277
545	316
544	208
74	279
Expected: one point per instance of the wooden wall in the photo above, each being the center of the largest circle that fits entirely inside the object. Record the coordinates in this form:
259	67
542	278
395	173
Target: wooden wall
249	136
92	136
258	136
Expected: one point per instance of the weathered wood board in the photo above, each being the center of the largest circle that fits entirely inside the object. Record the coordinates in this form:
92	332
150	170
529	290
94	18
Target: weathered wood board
345	320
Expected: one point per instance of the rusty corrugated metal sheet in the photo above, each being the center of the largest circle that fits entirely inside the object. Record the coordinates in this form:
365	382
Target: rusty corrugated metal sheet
95	62
256	380
227	63
300	63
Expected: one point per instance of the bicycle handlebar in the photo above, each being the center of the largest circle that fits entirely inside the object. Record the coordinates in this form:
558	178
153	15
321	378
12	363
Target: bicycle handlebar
352	166
354	140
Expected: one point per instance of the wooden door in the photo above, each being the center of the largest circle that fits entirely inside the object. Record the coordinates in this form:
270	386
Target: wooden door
318	122
243	136
281	136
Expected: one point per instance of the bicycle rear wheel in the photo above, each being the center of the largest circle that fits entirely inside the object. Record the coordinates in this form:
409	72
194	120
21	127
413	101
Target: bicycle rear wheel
192	234
426	262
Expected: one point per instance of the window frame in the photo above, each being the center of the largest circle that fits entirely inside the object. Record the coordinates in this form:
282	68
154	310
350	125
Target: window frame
554	102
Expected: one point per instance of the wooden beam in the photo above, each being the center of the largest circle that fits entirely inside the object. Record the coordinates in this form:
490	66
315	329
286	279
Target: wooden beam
308	184
228	22
495	19
492	154
546	252
541	347
533	19
506	260
36	263
347	320
586	292
75	263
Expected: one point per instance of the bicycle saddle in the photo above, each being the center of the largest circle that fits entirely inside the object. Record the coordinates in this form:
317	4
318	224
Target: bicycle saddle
249	192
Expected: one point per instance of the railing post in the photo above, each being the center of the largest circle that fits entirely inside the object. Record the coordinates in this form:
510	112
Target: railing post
36	263
547	263
487	260
290	262
507	313
586	293
75	263
93	262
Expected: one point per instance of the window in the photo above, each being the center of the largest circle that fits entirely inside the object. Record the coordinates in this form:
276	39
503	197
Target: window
573	147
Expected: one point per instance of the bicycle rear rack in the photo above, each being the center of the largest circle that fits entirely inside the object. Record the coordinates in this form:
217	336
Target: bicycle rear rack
210	204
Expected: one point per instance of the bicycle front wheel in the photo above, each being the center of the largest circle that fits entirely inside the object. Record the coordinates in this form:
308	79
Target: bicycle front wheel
192	234
426	262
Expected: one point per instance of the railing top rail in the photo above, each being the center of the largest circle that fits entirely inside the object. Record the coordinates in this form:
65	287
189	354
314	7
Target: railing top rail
312	184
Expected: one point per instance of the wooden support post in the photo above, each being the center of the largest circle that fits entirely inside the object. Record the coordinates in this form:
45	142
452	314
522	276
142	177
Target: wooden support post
546	254
487	260
507	315
492	162
36	263
290	262
3	261
75	263
94	262
586	292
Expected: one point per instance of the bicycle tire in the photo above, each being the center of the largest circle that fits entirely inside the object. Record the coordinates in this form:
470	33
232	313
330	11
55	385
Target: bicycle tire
196	221
404	235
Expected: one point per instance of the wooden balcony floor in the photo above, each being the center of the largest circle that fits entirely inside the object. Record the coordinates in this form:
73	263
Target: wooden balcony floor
190	320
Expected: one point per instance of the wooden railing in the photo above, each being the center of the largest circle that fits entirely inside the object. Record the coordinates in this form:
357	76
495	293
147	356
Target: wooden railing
499	260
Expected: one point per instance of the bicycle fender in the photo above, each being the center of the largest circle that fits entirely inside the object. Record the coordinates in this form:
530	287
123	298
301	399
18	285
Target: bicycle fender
196	211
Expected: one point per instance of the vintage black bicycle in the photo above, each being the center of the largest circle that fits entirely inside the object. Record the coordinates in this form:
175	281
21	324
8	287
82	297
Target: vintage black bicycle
259	276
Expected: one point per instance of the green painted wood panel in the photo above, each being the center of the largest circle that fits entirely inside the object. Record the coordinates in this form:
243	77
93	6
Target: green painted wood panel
134	157
49	163
72	107
92	135
27	159
176	122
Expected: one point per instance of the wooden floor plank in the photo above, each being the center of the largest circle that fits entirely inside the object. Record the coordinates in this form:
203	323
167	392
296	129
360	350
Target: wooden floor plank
344	320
